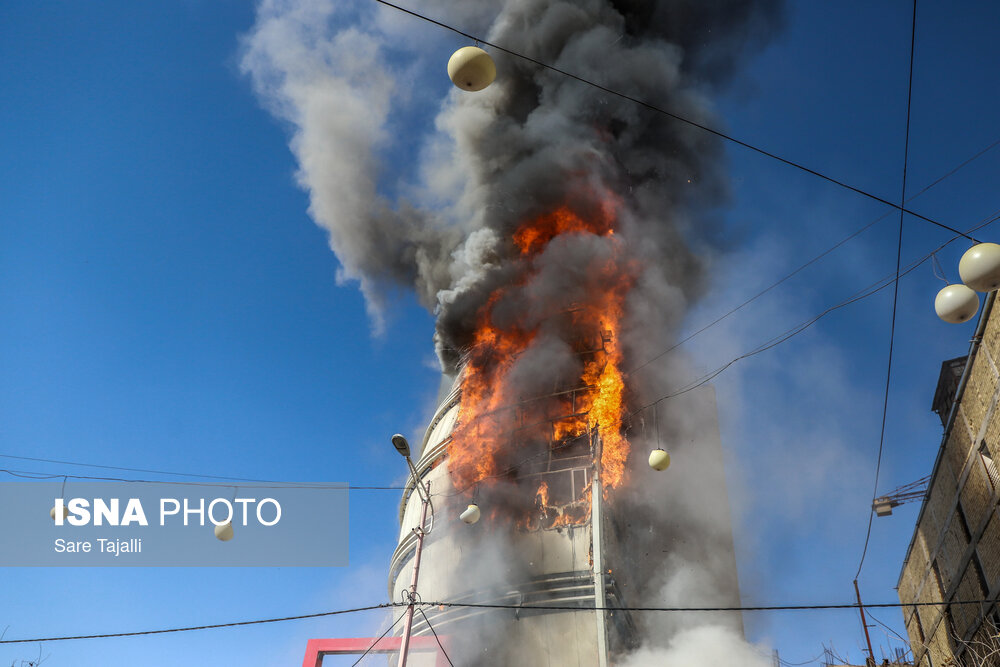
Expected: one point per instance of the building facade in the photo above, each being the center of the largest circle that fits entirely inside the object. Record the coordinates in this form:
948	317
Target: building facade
555	589
954	556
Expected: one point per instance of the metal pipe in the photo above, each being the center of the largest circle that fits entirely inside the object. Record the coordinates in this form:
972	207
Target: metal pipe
404	647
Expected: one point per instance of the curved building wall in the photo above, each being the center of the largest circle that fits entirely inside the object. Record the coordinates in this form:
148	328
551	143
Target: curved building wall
463	563
657	529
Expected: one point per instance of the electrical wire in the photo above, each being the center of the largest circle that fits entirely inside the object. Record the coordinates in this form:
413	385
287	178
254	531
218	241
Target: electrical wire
787	607
871	290
382	636
29	474
785	663
669	114
213	626
471	605
155	472
815	259
903	639
440	645
895	299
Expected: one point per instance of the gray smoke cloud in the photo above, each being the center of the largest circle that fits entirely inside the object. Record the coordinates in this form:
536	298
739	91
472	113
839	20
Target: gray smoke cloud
533	140
347	77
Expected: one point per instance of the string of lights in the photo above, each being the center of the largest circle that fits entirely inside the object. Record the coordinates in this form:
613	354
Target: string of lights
677	117
853	606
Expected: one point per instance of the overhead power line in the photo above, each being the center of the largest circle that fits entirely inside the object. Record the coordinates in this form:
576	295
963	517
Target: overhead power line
895	299
387	631
214	626
147	470
812	261
281	484
438	639
471	605
677	117
35	475
871	290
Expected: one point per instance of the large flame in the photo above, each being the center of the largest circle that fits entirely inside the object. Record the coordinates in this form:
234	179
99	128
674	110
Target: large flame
501	435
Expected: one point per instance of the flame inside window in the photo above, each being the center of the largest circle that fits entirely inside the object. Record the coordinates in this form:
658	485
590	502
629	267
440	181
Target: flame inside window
537	449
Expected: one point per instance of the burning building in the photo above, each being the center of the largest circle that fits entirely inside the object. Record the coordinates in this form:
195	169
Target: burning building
550	573
559	234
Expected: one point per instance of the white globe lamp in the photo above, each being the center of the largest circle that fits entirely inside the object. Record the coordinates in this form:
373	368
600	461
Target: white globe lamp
956	304
980	267
470	68
471	514
224	532
659	459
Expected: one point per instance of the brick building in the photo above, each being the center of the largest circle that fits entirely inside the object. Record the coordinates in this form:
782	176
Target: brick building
955	551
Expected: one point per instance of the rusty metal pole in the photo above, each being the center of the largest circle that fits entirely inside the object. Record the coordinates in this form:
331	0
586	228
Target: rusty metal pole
404	647
864	624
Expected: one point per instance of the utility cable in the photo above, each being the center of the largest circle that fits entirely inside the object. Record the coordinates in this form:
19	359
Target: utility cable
29	474
812	261
471	605
786	663
213	626
895	299
788	607
156	472
901	638
660	110
381	637
871	290
440	645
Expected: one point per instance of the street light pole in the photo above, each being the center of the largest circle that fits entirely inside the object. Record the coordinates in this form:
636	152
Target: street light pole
404	648
424	492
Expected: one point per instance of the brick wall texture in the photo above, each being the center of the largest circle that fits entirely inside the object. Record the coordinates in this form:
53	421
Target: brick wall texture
955	554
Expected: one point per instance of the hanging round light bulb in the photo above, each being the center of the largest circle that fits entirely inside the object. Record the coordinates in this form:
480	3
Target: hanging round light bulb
659	459
980	267
65	512
224	531
956	304
471	68
471	514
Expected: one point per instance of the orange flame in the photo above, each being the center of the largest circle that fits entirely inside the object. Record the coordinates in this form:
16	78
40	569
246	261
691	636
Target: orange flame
499	432
542	495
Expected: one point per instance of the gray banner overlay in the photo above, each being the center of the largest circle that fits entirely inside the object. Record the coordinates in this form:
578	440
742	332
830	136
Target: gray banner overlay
272	525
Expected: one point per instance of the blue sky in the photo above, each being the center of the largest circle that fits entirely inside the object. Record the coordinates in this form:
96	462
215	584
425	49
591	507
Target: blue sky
169	304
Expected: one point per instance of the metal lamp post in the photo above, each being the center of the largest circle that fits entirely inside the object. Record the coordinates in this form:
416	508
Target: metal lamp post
424	491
